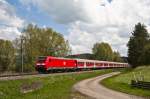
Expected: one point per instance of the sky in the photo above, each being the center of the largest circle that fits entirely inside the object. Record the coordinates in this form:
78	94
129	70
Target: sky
82	22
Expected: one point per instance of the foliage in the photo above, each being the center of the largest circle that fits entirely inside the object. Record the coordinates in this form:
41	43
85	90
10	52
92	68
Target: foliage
82	56
38	41
7	55
146	54
117	57
102	51
136	45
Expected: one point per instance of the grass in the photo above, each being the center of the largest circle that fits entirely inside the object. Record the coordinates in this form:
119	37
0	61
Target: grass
53	87
122	81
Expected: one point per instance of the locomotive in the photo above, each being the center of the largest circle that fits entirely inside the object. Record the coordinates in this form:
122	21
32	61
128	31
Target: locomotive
48	63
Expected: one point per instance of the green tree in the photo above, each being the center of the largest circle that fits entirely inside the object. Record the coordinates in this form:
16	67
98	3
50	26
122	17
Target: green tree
41	42
136	44
146	55
117	57
7	55
102	51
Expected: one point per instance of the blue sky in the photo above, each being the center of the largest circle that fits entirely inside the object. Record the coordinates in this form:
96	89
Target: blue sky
82	22
33	15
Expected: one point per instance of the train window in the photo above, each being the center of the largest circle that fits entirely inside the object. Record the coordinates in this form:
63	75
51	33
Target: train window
87	63
79	62
105	64
92	63
41	59
97	64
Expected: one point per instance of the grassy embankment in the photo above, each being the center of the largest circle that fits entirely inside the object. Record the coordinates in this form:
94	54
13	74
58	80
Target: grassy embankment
52	87
122	81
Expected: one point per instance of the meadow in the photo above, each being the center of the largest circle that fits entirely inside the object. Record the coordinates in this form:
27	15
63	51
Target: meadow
122	81
51	87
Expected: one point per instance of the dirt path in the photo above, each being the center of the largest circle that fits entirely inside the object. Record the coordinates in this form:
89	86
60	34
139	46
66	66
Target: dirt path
92	88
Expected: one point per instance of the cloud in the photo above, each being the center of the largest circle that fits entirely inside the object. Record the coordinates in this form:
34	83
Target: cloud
9	21
91	21
66	11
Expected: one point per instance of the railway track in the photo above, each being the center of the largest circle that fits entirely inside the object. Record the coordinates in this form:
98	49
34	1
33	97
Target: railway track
19	74
29	75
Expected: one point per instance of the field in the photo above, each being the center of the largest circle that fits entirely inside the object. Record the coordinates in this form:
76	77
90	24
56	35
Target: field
52	87
122	82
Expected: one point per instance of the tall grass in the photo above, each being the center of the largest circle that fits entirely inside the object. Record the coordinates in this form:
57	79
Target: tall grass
122	82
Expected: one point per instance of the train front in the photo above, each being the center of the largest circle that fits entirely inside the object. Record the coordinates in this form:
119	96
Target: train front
41	64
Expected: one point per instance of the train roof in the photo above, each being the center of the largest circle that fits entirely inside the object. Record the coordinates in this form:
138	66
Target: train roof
98	61
83	60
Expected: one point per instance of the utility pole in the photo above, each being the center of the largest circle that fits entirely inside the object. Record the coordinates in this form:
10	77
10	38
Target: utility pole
22	54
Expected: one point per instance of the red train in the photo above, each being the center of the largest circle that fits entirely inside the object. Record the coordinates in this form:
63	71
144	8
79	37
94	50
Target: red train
47	63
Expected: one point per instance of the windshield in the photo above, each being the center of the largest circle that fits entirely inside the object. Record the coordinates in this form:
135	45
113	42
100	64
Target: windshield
41	59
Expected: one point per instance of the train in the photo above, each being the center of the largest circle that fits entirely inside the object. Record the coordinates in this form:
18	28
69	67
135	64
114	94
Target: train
50	63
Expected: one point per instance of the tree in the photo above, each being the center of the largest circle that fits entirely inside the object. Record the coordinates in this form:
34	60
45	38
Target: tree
102	51
7	55
146	55
136	44
117	57
41	42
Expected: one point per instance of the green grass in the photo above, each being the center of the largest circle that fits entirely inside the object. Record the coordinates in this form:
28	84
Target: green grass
122	81
53	87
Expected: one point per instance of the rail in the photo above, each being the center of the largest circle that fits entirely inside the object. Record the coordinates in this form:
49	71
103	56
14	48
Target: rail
18	74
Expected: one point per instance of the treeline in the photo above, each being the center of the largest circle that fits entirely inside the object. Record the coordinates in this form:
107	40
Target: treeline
100	51
36	41
139	46
33	42
103	51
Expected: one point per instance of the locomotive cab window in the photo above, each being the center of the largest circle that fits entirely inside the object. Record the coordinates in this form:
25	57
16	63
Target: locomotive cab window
41	59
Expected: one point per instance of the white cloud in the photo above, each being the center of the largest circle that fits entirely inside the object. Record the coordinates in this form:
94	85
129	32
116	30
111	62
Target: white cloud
91	21
9	21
